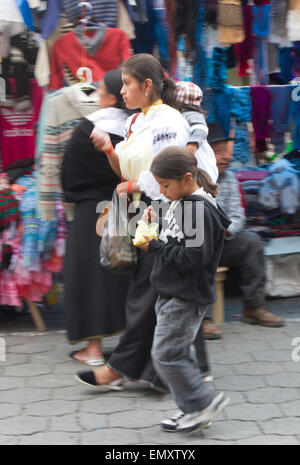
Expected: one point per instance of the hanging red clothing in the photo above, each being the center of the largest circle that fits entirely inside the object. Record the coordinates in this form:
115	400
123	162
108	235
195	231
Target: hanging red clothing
67	50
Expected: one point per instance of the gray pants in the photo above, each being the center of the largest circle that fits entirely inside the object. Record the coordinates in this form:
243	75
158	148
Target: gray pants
173	354
245	252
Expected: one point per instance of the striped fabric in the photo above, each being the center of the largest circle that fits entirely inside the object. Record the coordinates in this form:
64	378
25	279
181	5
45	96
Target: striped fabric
104	11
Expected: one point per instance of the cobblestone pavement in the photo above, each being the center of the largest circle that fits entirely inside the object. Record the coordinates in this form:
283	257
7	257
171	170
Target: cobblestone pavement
42	403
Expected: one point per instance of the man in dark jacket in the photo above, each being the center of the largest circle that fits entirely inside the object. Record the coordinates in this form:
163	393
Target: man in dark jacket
243	249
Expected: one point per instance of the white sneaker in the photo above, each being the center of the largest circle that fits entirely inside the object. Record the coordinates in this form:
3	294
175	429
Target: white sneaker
188	422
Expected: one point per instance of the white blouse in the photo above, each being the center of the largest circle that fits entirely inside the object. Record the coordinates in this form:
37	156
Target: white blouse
152	131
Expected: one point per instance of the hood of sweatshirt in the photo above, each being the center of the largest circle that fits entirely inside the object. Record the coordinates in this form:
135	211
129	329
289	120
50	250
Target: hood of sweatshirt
216	210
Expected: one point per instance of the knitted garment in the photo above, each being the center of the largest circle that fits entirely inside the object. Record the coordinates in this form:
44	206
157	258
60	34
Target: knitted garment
104	11
61	113
67	50
9	208
219	68
241	148
17	129
240	108
261	20
296	118
261	110
244	50
281	112
230	22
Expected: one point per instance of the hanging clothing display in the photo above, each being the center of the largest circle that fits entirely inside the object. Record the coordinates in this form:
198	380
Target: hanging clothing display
61	113
18	129
112	51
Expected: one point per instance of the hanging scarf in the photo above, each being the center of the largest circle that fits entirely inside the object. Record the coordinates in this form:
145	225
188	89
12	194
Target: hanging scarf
230	22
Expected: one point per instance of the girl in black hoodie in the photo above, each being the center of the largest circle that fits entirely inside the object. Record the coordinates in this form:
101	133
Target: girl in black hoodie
186	259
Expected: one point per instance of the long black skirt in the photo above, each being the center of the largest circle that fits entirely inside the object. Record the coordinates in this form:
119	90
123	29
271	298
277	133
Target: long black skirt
94	297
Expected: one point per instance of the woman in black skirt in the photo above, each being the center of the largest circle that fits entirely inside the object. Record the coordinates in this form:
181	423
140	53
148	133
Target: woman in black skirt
158	125
94	298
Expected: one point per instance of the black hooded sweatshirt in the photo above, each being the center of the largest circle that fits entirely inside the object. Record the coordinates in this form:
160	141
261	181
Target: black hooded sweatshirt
187	257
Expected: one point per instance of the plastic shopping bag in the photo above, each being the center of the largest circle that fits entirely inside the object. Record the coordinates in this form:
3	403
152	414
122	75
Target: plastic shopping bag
117	253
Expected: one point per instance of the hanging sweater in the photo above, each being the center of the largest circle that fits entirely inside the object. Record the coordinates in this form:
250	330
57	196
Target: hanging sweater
61	113
67	51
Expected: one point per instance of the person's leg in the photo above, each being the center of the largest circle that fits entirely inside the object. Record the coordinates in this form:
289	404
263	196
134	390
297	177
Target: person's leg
178	323
92	352
201	353
245	251
132	356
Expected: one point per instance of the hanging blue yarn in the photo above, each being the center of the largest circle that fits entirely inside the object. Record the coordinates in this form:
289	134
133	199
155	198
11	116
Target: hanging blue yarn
219	68
241	148
240	103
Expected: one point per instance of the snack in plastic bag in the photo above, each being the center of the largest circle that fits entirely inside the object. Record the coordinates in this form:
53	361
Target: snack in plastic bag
144	229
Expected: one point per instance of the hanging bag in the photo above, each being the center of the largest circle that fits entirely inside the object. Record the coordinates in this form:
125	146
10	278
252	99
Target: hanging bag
117	253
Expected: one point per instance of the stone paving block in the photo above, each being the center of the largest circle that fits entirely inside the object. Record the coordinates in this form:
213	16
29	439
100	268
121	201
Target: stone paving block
34	369
288	426
239	383
76	392
23	395
246	346
100	405
229	358
51	381
285	343
92	421
272	356
22	425
253	412
50	408
31	348
272	394
54	357
111	436
65	423
8	440
258	368
9	410
291	366
284	380
235	397
11	383
66	367
14	359
269	440
218	370
231	430
135	419
291	409
53	438
155	435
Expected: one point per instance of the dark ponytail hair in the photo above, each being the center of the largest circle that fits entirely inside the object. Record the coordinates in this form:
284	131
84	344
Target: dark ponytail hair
174	162
144	66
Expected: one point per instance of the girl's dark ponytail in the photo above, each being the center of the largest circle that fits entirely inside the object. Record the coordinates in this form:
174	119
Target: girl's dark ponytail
204	181
168	93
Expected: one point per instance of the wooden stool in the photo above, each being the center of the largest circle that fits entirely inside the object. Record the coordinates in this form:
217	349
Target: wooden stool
218	307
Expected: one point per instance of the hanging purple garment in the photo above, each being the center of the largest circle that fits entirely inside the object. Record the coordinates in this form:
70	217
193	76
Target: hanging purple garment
261	113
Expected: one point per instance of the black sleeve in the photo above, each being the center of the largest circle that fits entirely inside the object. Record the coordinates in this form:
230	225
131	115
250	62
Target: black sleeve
186	258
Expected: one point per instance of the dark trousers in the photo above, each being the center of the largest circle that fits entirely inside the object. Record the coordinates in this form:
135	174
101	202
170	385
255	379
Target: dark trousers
245	253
